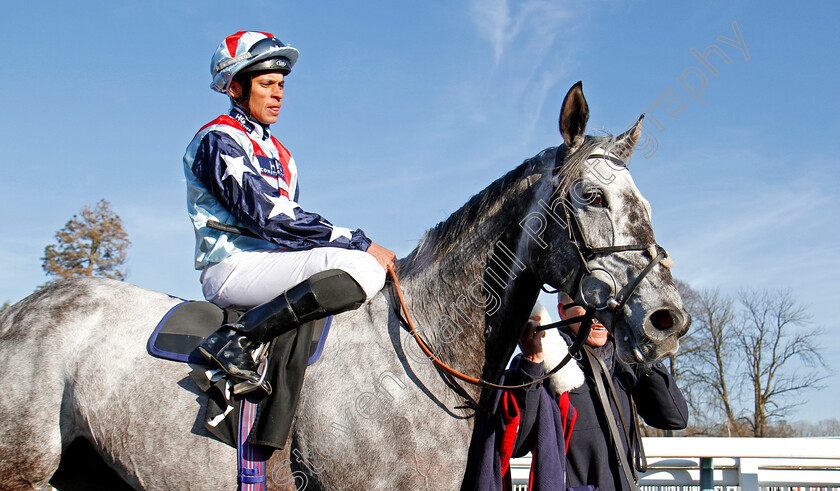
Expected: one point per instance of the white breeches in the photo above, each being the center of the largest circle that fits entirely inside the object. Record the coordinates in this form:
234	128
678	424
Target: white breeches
249	278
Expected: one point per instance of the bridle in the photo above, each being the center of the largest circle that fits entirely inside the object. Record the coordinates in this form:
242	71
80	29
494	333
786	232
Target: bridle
586	253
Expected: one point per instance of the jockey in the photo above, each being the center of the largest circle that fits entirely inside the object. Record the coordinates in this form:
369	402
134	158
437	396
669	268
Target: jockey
290	266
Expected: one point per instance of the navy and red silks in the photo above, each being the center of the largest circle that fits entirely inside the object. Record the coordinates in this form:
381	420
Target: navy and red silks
238	174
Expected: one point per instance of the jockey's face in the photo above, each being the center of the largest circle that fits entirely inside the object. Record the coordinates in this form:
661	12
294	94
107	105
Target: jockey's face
266	96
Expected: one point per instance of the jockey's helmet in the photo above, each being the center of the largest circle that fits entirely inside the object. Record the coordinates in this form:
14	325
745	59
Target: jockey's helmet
249	52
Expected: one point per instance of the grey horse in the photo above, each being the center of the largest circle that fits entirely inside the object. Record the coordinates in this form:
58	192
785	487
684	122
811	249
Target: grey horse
85	407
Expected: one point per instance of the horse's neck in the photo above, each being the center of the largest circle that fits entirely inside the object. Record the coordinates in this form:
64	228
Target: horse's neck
447	288
443	312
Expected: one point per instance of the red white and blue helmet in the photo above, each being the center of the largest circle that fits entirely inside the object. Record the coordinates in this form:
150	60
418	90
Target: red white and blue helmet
246	52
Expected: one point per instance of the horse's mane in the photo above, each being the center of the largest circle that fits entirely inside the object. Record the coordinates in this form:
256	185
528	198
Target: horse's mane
502	192
440	239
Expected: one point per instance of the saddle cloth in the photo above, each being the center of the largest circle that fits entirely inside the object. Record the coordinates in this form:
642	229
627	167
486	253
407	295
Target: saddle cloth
182	329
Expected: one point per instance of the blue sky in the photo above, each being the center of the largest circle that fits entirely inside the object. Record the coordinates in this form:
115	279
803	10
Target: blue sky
397	112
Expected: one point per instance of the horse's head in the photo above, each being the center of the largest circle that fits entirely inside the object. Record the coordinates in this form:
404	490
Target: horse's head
599	245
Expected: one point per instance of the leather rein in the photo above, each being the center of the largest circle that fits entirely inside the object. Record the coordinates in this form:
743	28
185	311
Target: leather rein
574	350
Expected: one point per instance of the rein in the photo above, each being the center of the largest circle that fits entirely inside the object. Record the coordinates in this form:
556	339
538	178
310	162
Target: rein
574	350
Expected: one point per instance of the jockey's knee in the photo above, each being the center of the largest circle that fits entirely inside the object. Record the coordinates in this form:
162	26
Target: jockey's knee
368	273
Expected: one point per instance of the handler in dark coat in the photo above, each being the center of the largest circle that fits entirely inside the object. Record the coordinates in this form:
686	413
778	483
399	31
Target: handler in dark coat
592	456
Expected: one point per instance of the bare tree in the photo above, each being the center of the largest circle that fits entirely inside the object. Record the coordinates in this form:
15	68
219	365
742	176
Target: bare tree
681	363
706	365
825	427
743	364
781	354
92	243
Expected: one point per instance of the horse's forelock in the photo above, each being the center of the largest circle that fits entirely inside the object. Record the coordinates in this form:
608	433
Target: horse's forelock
573	161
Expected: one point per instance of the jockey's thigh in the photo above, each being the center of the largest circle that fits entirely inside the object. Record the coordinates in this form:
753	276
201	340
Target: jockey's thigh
249	278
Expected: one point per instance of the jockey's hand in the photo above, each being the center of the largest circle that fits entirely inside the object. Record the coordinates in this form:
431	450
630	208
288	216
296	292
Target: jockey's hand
384	256
530	342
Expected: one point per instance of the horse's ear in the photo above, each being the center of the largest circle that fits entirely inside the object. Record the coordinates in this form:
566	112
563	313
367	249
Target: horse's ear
625	142
573	116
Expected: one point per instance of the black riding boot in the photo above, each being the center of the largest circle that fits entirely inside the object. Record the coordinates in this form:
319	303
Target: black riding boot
325	293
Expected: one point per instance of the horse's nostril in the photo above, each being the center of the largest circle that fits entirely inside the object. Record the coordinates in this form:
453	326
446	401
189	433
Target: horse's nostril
662	320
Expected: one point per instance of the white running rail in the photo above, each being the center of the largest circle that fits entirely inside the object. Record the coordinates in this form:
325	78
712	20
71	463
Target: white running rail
748	464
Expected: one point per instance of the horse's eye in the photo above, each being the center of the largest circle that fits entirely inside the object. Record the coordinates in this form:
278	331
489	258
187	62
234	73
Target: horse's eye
594	198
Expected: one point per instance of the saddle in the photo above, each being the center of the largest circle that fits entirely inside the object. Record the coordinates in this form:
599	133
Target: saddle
185	326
